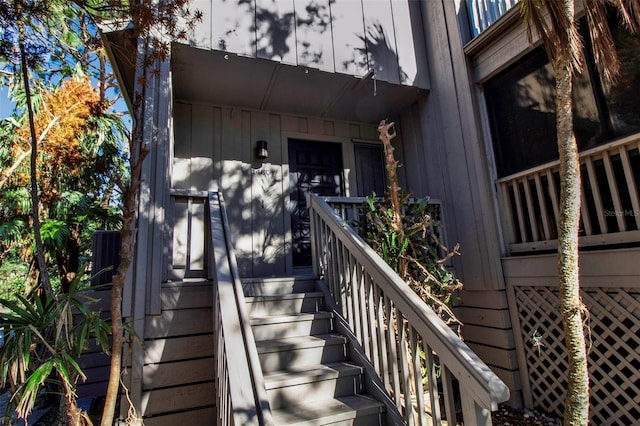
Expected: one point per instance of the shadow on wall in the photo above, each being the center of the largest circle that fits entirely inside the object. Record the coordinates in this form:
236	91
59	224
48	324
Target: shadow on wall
301	33
381	55
254	198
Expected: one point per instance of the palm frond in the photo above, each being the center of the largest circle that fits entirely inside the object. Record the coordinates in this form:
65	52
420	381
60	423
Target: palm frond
629	12
553	22
602	44
12	230
54	233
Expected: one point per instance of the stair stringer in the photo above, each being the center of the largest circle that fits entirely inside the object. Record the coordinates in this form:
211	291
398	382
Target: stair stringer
372	381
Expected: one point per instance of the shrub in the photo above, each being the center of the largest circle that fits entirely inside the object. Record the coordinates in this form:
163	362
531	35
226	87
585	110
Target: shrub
415	253
13	274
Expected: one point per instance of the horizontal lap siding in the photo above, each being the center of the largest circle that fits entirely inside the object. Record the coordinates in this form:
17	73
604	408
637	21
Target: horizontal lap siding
202	416
488	332
94	363
178	374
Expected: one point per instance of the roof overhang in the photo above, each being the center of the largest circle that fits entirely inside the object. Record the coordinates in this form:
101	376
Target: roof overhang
121	47
223	78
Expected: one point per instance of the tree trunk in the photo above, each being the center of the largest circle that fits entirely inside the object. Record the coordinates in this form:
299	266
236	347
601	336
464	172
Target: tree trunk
391	165
571	308
138	152
42	264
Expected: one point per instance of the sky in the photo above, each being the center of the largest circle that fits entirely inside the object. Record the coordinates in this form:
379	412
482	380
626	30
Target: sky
6	106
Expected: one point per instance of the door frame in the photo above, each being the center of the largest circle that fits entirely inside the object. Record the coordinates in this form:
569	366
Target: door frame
349	181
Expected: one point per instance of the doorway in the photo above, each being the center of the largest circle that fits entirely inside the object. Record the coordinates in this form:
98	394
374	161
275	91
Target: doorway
313	167
370	172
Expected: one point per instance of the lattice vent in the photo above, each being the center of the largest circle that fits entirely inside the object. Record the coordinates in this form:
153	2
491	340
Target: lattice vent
614	358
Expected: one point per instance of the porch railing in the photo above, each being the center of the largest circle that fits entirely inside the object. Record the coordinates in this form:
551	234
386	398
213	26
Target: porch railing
241	397
401	336
348	208
483	13
610	201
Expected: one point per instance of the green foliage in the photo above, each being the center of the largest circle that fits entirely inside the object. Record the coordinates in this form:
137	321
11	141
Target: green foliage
12	276
54	233
43	340
418	250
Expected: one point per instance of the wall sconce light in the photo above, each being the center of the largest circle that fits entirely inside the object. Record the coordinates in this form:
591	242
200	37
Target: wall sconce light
261	150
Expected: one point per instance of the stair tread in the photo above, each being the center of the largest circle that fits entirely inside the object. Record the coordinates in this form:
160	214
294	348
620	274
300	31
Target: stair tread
283	279
333	410
288	296
310	373
290	343
293	317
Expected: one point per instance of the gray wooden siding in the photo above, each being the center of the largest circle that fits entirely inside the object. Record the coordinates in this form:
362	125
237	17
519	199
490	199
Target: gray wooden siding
178	371
446	158
345	36
94	363
214	149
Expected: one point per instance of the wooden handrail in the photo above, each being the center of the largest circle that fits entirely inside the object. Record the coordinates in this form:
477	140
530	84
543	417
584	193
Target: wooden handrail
337	247
591	152
240	390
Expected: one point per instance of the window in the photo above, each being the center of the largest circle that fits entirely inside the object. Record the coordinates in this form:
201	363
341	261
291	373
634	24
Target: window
521	107
622	98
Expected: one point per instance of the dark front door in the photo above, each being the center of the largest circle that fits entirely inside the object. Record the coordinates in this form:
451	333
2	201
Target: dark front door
315	167
370	172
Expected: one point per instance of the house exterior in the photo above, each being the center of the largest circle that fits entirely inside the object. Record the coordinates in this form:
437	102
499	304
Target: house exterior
312	79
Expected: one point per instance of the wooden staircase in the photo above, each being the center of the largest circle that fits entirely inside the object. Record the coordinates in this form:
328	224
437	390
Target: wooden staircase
308	374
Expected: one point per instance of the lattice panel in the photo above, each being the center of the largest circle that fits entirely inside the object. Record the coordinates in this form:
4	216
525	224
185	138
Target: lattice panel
614	357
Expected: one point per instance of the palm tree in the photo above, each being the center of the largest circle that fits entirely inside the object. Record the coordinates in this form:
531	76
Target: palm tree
555	22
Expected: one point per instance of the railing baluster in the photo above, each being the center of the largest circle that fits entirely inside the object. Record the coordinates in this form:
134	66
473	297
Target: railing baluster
337	262
392	353
476	17
553	194
518	201
405	374
472	413
187	265
355	213
631	184
543	207
507	217
593	181
348	289
364	317
432	382
331	268
449	399
417	376
585	217
381	329
313	226
355	285
613	189
371	320
530	210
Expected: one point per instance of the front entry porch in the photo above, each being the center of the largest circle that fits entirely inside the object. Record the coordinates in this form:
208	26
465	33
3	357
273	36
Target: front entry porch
363	328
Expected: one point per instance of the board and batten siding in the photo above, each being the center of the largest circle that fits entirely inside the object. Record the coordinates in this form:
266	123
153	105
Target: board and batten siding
344	36
214	150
